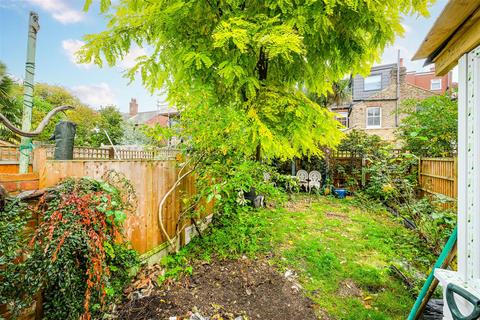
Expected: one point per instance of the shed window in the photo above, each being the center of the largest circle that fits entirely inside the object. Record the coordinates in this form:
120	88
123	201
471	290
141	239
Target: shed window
436	84
374	118
373	83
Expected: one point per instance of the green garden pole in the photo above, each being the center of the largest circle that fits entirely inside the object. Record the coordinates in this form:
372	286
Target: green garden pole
449	246
26	143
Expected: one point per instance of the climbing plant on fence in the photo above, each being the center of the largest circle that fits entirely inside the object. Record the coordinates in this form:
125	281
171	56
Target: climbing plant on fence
75	258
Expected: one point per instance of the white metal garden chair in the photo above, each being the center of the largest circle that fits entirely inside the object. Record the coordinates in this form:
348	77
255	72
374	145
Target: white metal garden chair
302	176
266	177
315	179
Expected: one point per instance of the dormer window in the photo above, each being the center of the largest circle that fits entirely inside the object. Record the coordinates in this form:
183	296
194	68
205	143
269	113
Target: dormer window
372	83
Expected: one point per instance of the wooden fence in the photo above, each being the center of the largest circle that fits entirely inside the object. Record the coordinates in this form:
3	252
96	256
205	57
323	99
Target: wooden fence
9	153
151	180
150	177
438	176
9	156
12	154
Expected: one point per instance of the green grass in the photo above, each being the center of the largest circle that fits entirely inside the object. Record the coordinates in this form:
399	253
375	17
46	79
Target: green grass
328	242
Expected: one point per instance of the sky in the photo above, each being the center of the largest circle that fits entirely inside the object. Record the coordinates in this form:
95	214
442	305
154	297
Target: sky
63	24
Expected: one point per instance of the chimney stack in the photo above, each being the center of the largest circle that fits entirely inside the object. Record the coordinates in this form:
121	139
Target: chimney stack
133	107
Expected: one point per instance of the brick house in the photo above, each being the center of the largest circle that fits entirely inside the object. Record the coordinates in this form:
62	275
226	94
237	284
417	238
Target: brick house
164	115
428	80
376	101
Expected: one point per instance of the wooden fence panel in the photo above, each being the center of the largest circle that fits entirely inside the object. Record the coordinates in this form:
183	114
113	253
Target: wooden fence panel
151	180
438	176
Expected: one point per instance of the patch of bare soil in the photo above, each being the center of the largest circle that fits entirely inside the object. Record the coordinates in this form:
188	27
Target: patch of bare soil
224	290
298	205
348	288
337	215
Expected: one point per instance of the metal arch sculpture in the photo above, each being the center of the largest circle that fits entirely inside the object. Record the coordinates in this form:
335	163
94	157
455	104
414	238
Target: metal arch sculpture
31	134
40	127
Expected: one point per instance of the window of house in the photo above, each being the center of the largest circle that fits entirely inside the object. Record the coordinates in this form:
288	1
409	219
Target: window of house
342	117
373	83
436	84
374	118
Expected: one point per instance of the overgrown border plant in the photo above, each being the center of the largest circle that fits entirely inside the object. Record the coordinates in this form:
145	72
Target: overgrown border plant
76	259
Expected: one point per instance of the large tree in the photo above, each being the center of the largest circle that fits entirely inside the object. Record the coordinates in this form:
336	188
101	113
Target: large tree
8	106
251	61
113	123
90	123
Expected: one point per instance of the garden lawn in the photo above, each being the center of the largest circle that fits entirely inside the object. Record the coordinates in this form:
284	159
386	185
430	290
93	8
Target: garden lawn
340	254
343	254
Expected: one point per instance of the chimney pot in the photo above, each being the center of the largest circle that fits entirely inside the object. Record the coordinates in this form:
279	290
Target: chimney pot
133	107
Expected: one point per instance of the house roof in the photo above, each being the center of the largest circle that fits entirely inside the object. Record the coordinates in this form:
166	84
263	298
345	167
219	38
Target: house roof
422	89
378	96
456	31
383	67
342	106
143	117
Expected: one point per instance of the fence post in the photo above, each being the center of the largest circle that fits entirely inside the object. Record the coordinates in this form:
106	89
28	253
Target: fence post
39	159
455	177
111	153
419	178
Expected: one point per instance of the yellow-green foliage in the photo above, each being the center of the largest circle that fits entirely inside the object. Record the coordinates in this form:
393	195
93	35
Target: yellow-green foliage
251	61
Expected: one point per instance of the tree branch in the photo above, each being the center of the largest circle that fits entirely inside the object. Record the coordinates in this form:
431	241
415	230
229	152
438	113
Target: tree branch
262	65
165	197
40	127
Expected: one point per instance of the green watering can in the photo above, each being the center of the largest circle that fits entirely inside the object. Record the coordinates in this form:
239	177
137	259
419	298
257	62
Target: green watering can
452	304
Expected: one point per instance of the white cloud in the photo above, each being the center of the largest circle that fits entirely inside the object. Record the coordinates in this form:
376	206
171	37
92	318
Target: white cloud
95	95
130	60
71	46
59	10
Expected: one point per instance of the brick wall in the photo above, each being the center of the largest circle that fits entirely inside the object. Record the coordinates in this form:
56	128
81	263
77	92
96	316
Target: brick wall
16	183
423	80
385	100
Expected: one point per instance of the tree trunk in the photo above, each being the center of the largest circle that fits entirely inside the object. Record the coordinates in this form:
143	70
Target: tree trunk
262	69
258	153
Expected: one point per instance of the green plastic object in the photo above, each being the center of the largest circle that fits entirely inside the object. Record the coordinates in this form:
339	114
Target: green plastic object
452	304
441	259
64	136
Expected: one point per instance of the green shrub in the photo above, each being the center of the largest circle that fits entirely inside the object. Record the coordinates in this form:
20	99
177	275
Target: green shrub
73	257
360	145
393	182
430	127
